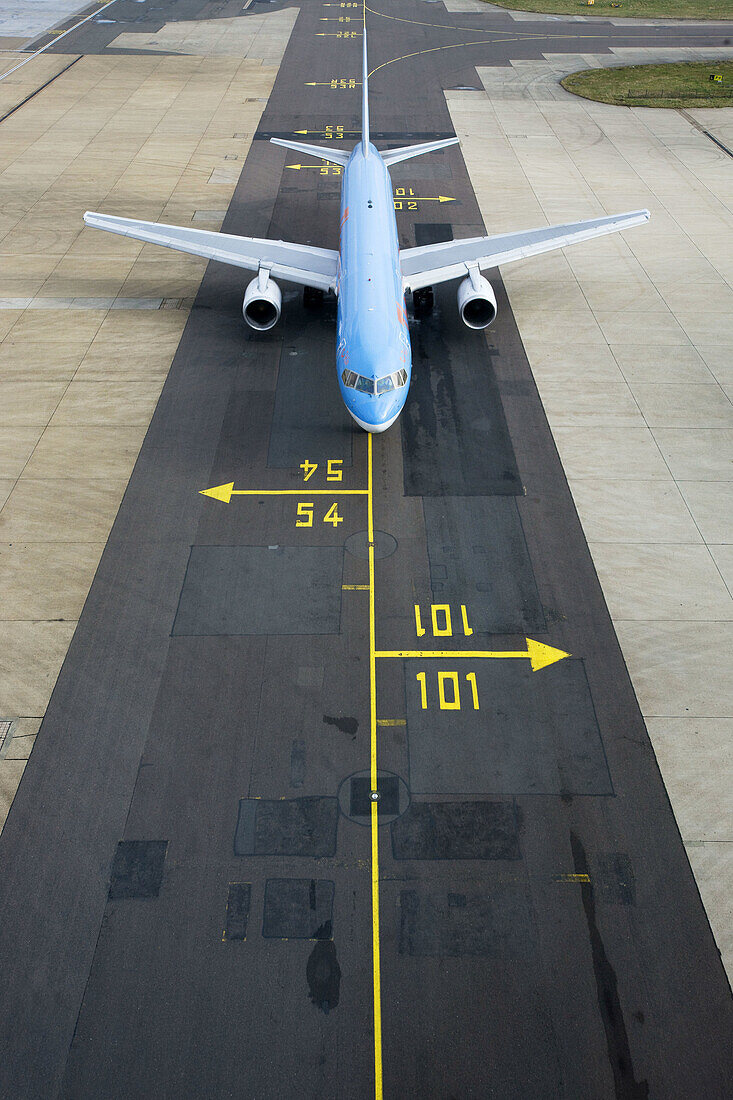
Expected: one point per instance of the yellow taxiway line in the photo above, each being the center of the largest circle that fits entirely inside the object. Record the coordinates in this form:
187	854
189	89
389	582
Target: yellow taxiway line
376	984
226	492
538	654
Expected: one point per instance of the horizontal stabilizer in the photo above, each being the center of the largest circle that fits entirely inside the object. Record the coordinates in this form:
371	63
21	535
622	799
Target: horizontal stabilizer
407	152
335	156
297	263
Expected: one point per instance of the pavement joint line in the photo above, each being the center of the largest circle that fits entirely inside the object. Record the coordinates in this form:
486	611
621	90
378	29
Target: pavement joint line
700	129
32	95
57	38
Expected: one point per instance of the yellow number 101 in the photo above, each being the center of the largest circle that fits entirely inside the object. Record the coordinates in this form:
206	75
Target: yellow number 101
449	690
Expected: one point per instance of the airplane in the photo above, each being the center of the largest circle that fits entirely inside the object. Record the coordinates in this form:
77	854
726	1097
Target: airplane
370	274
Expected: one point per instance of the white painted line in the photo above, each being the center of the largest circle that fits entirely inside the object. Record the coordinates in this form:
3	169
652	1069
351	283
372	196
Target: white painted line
58	38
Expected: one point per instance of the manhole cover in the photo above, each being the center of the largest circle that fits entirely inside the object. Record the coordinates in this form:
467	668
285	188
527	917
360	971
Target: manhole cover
356	796
358	545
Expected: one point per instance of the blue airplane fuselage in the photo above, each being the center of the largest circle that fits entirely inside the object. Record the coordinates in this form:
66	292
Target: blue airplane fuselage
373	356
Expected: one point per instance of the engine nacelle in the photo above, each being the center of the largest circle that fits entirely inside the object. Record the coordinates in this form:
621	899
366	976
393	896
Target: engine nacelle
476	301
262	302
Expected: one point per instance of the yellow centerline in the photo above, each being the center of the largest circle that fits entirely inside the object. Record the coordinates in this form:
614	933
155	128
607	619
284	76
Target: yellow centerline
495	654
377	990
304	492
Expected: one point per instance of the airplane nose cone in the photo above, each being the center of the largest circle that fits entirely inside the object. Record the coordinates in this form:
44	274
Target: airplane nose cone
375	428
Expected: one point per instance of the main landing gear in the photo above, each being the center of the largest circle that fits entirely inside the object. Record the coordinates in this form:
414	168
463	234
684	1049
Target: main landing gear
422	302
312	297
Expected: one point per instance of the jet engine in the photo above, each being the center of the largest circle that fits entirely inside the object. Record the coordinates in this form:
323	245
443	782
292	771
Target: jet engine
476	301
262	302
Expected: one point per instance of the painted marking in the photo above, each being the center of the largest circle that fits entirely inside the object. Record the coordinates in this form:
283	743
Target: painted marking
401	196
572	878
338	34
336	132
226	492
391	721
340	83
540	655
355	587
329	169
438	610
376	967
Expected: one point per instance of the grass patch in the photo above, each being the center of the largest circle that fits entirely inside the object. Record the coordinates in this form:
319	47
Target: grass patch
637	9
683	84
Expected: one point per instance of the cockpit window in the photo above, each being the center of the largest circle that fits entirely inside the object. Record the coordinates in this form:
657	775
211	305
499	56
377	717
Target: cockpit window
392	381
364	385
384	384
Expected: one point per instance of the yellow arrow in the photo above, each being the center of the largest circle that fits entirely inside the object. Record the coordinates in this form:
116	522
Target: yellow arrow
319	166
226	492
540	655
335	134
424	198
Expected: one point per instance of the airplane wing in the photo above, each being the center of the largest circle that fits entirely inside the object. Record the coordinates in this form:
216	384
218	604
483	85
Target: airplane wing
437	263
296	263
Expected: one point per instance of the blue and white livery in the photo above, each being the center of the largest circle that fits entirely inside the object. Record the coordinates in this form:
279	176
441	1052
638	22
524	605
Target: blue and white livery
370	274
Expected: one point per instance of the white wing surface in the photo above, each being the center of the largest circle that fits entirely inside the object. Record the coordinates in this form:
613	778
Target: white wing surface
335	156
407	152
296	263
437	263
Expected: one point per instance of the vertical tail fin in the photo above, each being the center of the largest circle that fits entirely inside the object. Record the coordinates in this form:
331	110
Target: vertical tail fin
365	96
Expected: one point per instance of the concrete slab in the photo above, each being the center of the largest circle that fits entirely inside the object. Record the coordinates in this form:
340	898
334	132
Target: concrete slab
84	344
633	386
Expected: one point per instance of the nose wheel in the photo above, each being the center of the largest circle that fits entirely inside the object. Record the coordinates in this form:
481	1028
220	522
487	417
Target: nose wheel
422	302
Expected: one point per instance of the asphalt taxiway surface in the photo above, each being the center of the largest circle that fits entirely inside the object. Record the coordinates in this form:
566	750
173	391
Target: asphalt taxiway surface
187	873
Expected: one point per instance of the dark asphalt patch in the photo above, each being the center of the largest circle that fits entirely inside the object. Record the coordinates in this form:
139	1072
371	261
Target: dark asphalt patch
478	557
298	908
455	440
235	590
297	763
355	802
432	233
450	924
286	827
237	911
457	830
614	880
534	732
388	789
137	871
309	420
